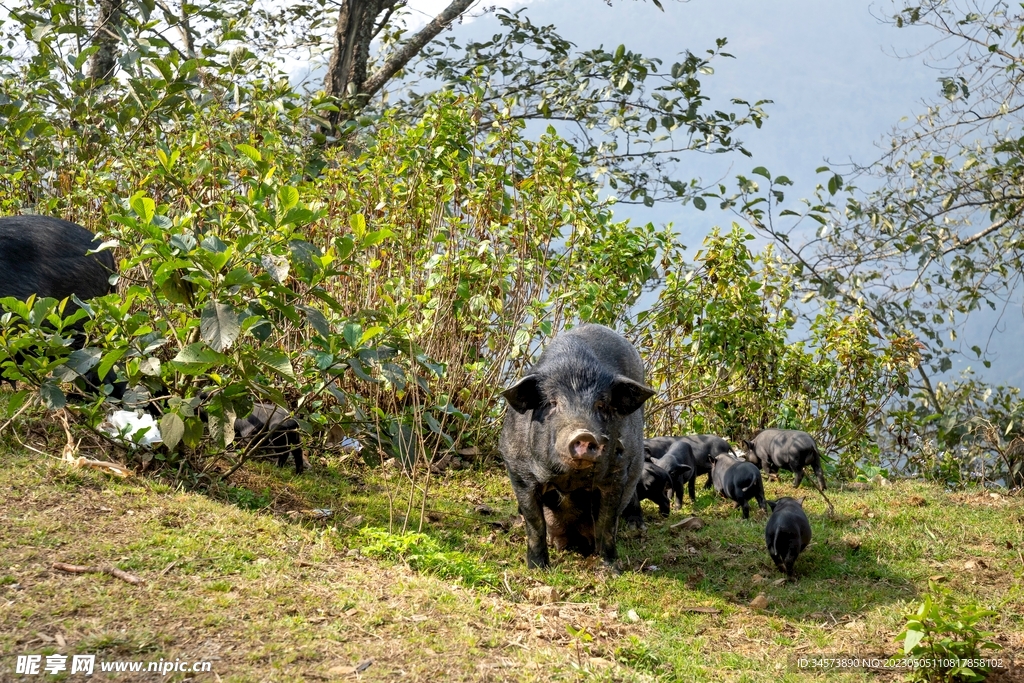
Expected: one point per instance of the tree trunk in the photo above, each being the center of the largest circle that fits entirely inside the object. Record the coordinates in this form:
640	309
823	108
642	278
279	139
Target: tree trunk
101	63
346	71
346	77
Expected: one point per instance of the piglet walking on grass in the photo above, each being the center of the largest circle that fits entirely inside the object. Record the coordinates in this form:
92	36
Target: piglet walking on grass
652	485
675	457
788	532
573	444
739	481
786	449
276	430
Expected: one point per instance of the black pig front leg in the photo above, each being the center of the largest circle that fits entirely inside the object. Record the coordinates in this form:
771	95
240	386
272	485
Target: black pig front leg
606	528
536	528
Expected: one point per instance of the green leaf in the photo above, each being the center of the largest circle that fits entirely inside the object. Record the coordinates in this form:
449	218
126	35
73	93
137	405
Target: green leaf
84	360
172	429
370	334
375	237
85	54
150	366
305	259
357	367
276	266
835	183
699	203
238	276
762	171
250	151
219	326
108	361
16	401
193	435
353	332
317	320
345	245
358	224
222	428
167	161
912	639
143	206
199	354
287	197
53	398
277	361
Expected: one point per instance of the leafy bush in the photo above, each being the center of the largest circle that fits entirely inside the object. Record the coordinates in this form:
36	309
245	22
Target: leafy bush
386	289
978	436
718	346
946	635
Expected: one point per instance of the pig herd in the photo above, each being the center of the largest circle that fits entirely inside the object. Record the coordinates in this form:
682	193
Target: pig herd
573	446
572	439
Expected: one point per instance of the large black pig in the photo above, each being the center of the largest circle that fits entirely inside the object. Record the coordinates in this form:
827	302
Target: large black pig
786	449
572	442
47	257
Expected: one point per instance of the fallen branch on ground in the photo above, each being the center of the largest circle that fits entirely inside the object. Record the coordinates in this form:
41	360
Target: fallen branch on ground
113	571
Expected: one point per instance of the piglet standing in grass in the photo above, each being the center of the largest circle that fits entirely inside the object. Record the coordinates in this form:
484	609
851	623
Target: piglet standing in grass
675	456
786	449
738	480
705	448
572	442
788	532
652	485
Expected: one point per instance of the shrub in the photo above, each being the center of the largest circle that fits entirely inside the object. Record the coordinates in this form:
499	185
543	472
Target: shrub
946	636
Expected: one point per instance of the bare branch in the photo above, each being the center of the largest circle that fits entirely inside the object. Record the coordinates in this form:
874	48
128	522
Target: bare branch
959	244
406	52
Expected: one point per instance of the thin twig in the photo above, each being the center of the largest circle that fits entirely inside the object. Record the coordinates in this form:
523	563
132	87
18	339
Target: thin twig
112	571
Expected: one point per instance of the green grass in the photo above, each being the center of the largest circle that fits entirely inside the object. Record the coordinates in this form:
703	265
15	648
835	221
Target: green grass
242	576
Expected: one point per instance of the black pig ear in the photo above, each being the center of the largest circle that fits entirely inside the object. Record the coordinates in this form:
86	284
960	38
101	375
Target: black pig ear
749	445
525	394
772	503
628	395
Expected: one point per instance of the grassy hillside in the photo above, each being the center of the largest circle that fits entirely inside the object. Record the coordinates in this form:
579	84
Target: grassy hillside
244	578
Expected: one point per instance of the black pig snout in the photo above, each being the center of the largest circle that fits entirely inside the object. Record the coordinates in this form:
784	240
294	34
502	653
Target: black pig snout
585	447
